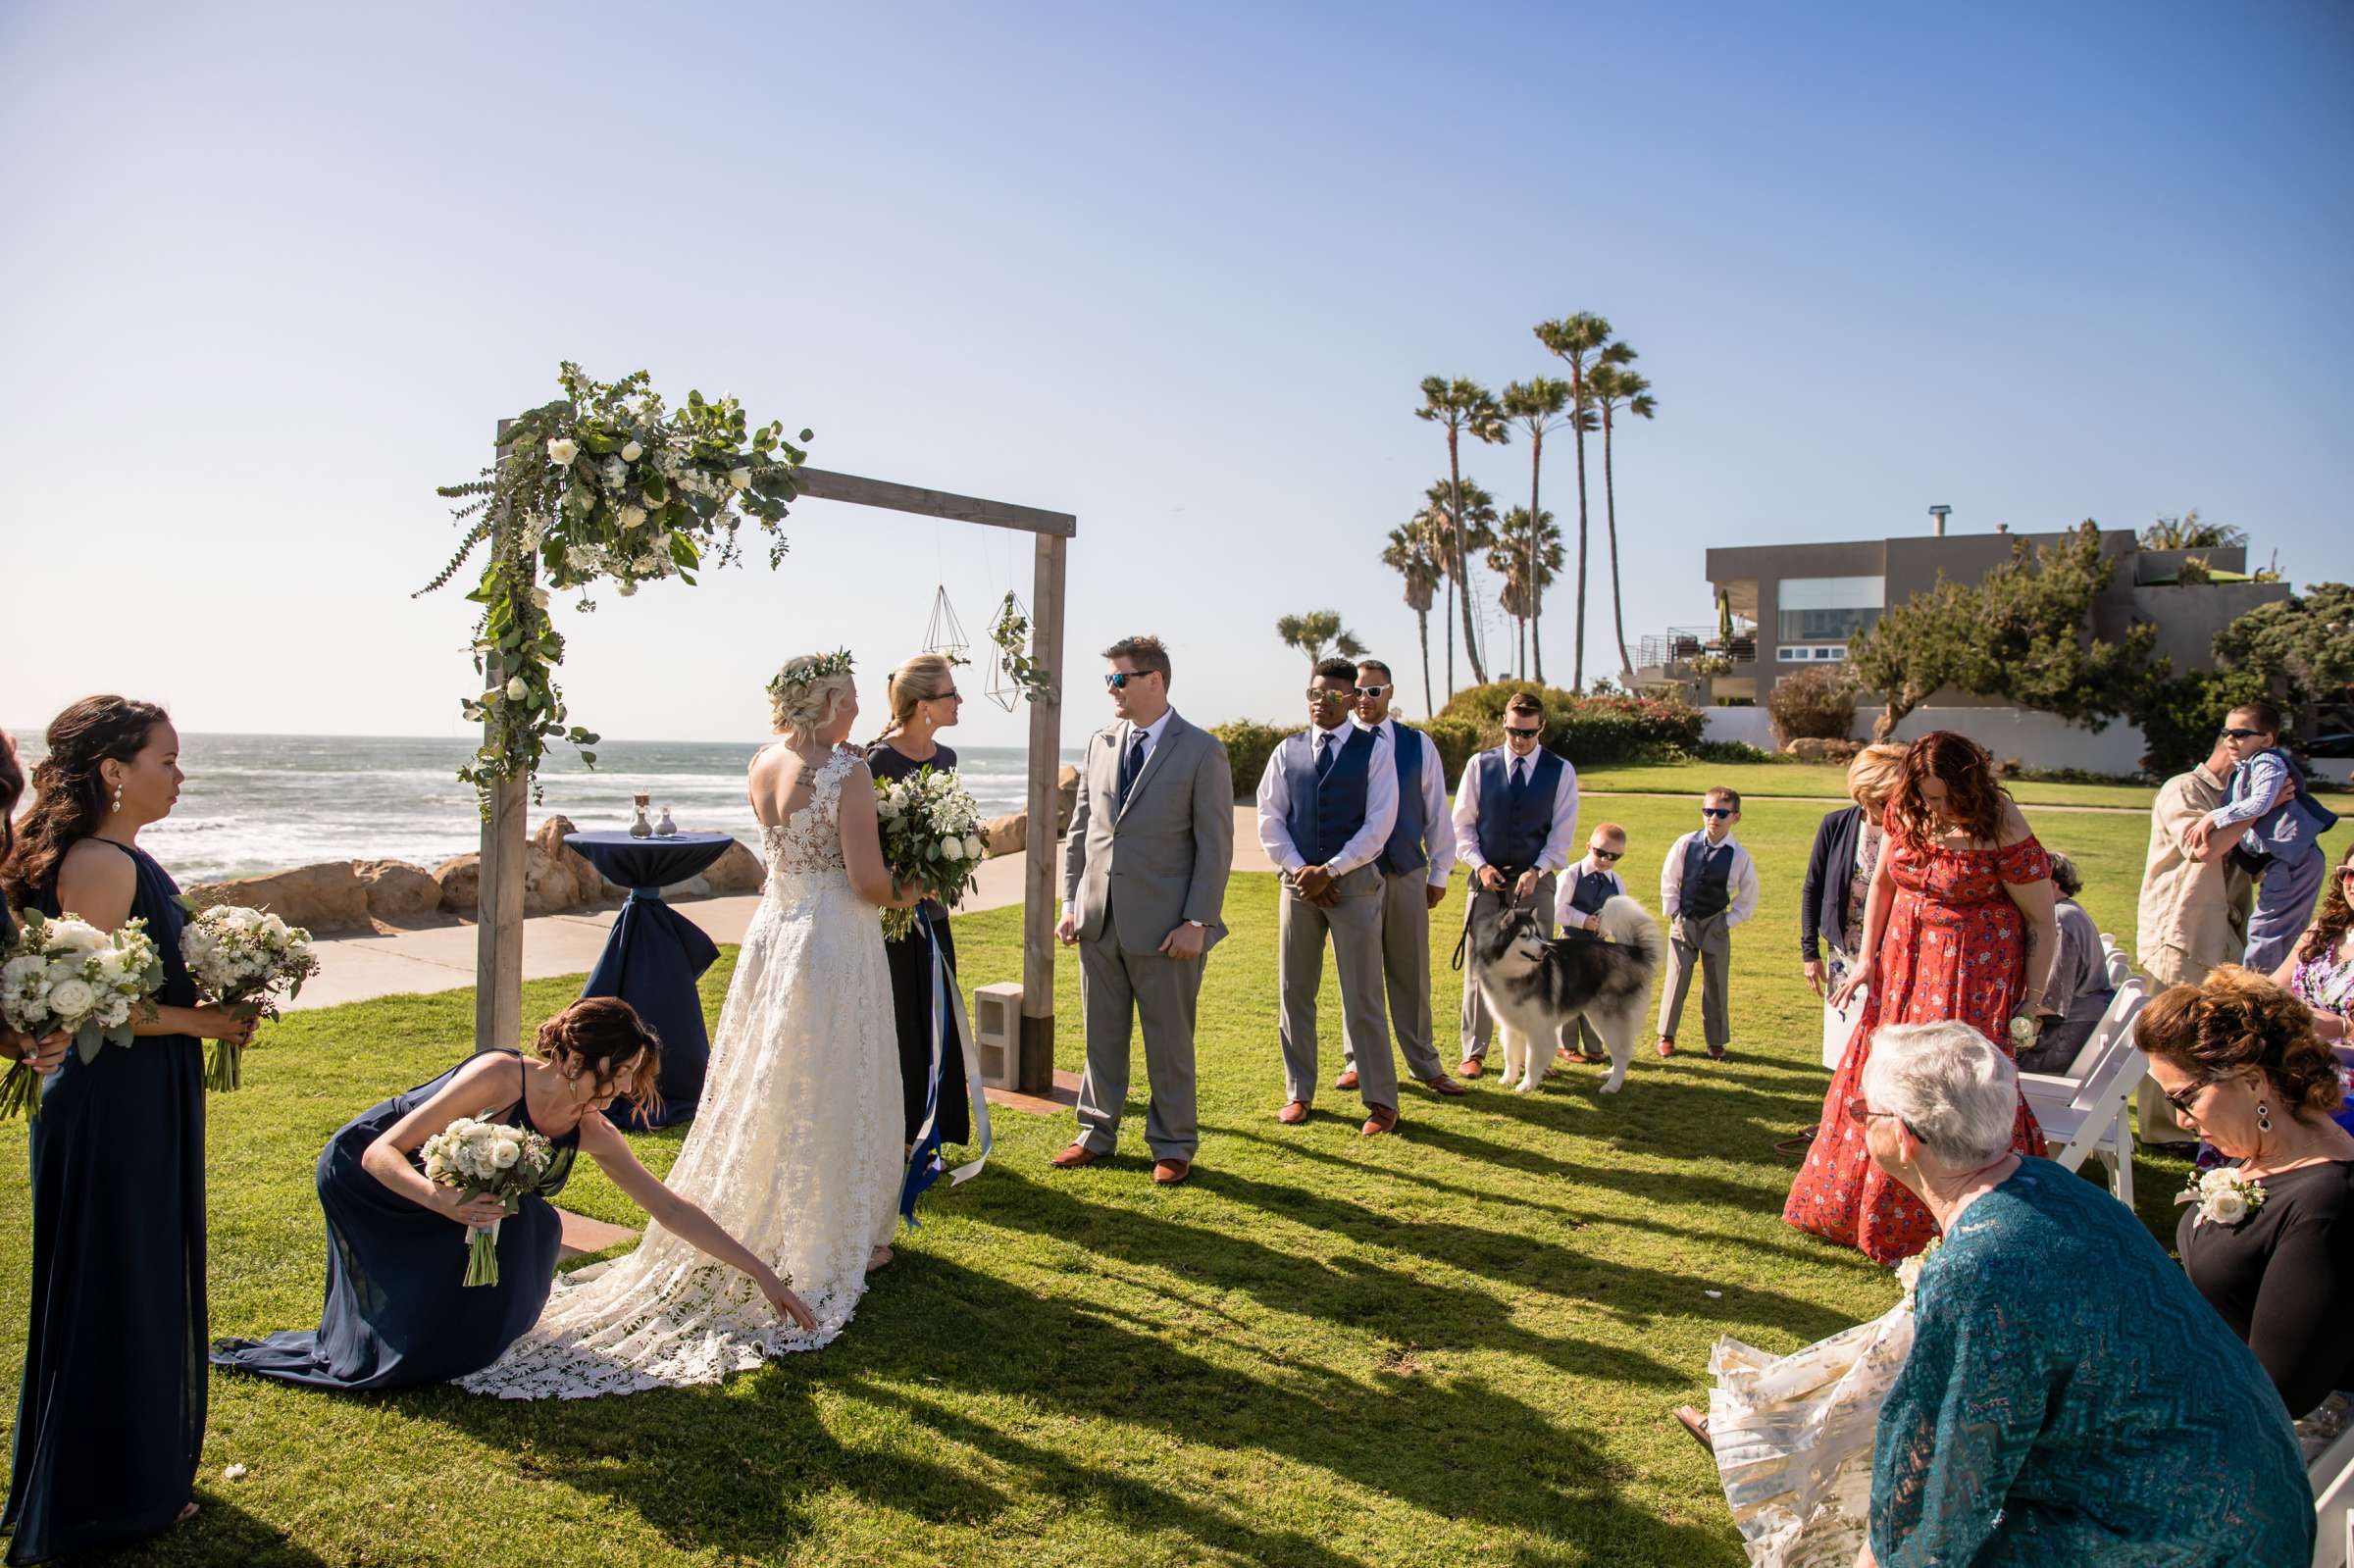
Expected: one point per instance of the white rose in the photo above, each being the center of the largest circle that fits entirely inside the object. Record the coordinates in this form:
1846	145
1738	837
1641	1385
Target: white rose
505	1152
74	997
516	690
21	970
740	478
632	452
632	516
562	450
72	935
953	849
973	846
2228	1208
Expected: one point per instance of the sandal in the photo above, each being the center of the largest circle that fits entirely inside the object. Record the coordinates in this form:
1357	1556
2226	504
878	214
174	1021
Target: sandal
1696	1423
1800	1143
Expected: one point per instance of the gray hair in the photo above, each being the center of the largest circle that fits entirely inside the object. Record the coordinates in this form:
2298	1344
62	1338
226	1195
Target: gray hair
1951	1085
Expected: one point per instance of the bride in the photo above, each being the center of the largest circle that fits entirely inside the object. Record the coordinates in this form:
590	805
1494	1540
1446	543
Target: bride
796	1149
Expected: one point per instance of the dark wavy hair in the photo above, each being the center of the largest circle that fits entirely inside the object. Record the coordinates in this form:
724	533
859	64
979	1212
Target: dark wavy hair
12	790
69	793
598	1033
2328	927
1974	802
2237	1019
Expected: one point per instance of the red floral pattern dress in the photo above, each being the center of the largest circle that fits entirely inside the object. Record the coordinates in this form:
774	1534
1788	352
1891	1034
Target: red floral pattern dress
1955	948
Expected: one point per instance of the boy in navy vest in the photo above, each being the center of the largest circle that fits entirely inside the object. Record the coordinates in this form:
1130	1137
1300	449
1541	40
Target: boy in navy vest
1414	864
1515	817
1708	886
2274	829
1326	805
1585	887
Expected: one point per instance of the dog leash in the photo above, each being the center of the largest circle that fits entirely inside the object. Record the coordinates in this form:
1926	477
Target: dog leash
1512	901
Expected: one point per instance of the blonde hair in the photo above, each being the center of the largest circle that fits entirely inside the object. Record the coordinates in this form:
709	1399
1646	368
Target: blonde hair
804	692
1871	775
919	680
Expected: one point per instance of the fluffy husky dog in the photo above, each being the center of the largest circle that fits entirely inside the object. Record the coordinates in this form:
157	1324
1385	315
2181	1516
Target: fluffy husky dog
1538	989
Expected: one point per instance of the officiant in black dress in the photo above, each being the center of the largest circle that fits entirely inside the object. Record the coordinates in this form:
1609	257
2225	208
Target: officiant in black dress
924	700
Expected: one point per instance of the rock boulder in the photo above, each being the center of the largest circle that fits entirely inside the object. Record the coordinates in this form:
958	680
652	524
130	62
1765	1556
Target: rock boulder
738	871
1820	748
1007	835
460	879
396	889
325	898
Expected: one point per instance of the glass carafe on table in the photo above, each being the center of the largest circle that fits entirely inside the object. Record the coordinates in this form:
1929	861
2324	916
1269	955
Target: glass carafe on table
640	828
664	828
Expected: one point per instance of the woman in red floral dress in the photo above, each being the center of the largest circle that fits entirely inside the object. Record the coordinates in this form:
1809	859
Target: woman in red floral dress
1959	926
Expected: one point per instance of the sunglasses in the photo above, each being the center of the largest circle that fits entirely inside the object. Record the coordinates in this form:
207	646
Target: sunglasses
1605	855
1861	1113
2241	735
1118	679
1374	692
1519	733
1325	694
1716	811
2182	1099
949	696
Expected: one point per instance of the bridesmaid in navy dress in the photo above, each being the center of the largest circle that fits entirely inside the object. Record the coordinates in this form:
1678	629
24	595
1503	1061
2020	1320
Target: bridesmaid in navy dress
43	1055
398	1312
111	1421
924	700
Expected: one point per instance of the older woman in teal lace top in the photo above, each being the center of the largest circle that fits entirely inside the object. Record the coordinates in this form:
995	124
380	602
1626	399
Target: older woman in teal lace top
2069	1398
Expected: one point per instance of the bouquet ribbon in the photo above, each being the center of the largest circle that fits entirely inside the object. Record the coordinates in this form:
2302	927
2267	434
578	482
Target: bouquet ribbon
924	1163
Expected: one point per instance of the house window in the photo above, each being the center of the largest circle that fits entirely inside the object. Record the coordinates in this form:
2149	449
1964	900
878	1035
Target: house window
1828	609
1804	654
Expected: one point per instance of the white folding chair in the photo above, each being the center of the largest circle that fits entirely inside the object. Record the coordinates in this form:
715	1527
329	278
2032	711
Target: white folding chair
2332	1475
2119	968
2084	1112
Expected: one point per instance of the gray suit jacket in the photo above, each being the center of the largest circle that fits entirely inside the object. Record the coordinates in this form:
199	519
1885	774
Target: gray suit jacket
1163	857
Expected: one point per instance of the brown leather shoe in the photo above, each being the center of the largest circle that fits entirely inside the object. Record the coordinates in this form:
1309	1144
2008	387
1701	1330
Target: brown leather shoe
1168	1173
1379	1119
1469	1066
1078	1154
1294	1112
1666	1047
1443	1084
1346	1080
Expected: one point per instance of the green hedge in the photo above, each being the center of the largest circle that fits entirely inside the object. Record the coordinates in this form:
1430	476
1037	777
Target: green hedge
1249	744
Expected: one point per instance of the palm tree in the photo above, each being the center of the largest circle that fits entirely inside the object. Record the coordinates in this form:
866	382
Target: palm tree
1576	339
1612	384
1528	560
1413	554
1313	632
2187	533
1464	543
1461	406
1536	405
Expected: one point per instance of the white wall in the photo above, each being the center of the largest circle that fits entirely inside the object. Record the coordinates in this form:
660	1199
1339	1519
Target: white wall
1753	725
2038	739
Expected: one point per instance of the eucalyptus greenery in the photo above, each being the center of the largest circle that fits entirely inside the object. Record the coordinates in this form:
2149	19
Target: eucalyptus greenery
1011	633
607	484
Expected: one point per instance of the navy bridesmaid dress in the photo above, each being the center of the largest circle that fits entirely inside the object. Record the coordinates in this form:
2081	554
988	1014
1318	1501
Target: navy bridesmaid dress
398	1312
111	1422
910	961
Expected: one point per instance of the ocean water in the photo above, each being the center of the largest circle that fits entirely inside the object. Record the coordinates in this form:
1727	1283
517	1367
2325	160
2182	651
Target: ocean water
260	803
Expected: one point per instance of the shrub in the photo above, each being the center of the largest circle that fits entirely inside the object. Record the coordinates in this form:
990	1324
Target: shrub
1456	739
1730	751
1249	744
1818	703
1588	730
2182	715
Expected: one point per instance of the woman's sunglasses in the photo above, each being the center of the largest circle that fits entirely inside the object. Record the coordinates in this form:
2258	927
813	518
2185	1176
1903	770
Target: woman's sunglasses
2182	1099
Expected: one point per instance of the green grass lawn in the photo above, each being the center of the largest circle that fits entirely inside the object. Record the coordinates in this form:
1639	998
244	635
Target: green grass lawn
1812	780
1457	1344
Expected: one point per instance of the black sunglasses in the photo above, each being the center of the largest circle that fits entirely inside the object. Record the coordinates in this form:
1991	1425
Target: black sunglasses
2180	1100
1605	855
1716	811
1524	735
1118	679
2241	735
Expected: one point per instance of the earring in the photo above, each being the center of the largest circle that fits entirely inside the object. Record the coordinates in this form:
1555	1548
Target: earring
118	797
2264	1117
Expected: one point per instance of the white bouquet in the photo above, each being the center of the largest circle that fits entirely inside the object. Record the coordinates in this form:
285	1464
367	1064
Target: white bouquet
486	1159
243	959
66	976
931	837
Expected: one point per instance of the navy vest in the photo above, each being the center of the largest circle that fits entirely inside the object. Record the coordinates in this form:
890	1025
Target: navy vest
1514	824
1593	889
1707	877
1404	854
1327	812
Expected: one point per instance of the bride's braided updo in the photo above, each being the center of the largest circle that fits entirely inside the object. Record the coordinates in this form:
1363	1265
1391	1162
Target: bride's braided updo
804	692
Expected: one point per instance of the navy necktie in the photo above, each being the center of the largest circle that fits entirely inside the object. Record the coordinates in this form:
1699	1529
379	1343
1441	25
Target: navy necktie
1325	753
1132	764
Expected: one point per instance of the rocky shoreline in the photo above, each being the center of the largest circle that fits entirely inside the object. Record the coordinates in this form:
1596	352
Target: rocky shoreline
352	898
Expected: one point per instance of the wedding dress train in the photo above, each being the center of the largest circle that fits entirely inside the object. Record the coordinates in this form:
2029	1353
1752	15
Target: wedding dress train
798	1150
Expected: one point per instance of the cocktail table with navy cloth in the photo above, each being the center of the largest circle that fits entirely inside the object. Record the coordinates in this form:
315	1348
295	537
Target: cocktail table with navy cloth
655	955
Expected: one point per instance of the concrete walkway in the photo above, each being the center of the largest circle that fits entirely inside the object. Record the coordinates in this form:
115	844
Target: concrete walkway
437	958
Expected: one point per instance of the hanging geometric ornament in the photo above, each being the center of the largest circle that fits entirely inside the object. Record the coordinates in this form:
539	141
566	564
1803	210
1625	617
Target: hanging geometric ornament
1013	674
943	632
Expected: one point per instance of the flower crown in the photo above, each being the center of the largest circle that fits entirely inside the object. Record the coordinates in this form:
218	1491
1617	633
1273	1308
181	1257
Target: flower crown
798	674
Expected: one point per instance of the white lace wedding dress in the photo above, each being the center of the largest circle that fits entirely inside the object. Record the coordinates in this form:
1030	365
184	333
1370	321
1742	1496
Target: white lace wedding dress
798	1150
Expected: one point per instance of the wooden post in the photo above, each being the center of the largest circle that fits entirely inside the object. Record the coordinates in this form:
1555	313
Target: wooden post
1042	883
498	932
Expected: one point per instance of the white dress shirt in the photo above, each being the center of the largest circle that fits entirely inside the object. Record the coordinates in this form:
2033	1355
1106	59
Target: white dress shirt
1557	841
1150	733
1438	829
1563	915
1741	886
1381	803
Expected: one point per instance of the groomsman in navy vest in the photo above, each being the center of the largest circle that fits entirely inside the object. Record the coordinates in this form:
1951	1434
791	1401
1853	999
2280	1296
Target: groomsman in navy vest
1515	818
1414	864
1326	806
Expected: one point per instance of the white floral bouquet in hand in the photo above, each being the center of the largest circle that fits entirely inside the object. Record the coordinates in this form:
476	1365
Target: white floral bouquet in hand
930	837
243	960
66	976
486	1159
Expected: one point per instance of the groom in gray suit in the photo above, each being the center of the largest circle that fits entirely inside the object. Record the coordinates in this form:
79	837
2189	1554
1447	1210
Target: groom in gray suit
1144	877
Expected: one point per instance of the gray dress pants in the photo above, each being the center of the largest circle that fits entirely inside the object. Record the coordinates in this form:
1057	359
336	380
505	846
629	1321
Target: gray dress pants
1352	924
1118	988
1405	976
1706	945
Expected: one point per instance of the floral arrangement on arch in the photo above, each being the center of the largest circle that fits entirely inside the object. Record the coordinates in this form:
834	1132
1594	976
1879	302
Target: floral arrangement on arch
606	485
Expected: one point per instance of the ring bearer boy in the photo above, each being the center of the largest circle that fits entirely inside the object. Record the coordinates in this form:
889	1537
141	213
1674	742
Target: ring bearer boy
1326	805
1585	887
1708	886
1515	811
1414	864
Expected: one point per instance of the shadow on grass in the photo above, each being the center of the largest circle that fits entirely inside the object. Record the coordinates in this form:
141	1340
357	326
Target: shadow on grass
220	1532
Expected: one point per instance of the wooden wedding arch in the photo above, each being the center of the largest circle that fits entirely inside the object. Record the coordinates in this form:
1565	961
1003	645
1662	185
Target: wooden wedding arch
499	945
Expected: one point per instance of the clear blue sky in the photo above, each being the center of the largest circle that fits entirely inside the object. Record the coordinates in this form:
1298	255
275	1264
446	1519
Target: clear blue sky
270	273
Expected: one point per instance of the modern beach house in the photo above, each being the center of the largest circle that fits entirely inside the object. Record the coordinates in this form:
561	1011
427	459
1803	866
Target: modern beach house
1782	608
